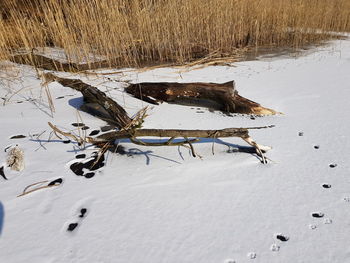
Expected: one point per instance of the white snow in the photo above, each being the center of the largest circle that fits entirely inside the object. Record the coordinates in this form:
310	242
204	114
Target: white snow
159	204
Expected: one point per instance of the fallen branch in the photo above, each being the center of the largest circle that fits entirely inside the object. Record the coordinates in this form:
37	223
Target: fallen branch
25	191
105	107
223	97
131	128
107	140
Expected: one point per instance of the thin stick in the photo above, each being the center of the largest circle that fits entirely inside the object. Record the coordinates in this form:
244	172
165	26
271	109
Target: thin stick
25	192
191	146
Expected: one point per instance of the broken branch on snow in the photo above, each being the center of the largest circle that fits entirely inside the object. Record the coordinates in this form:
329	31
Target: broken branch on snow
130	128
223	97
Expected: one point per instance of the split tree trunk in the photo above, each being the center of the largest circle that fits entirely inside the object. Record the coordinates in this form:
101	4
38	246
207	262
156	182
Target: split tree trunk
223	97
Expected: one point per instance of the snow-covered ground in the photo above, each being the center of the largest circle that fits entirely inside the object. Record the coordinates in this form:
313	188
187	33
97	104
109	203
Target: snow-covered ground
159	204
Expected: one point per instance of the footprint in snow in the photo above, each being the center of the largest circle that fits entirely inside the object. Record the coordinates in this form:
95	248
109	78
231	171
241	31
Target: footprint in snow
82	214
107	128
55	182
312	226
327	221
78	124
80	156
71	227
316	147
326	186
275	248
251	255
94	132
282	237
333	165
91	164
346	199
317	215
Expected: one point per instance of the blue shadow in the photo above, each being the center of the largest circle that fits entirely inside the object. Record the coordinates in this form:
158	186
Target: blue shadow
76	102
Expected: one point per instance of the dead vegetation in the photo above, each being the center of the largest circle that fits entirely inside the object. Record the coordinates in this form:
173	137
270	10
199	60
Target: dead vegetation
131	128
143	32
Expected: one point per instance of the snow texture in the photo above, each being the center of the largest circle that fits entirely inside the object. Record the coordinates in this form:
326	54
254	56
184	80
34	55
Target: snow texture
159	204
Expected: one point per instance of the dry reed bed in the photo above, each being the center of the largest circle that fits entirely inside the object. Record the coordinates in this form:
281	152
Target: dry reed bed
135	32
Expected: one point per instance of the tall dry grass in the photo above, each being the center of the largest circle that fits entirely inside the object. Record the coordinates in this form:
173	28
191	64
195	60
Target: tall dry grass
135	32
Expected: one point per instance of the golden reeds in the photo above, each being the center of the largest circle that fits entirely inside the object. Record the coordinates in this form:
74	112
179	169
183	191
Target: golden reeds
137	32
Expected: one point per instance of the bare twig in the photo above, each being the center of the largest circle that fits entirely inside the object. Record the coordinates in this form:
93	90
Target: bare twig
25	192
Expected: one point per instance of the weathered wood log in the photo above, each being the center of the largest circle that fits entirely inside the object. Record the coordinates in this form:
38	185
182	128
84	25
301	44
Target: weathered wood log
223	97
229	132
107	140
128	127
186	134
242	133
113	112
40	61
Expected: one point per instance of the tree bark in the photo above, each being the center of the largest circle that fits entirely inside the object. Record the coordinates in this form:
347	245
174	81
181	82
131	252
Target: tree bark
105	107
228	132
223	97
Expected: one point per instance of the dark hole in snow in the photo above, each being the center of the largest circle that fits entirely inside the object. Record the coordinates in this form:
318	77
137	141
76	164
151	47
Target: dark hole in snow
19	102
56	182
333	165
95	163
107	128
2	172
94	132
77	168
20	136
282	238
66	141
85	128
252	117
120	149
78	124
317	147
317	215
80	156
89	175
72	226
60	97
326	186
301	134
82	212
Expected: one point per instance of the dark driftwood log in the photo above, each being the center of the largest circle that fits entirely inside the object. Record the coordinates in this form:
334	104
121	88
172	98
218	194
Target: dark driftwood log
105	107
222	97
